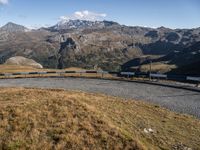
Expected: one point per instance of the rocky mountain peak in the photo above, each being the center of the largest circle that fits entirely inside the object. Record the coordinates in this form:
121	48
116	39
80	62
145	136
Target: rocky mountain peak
12	27
81	24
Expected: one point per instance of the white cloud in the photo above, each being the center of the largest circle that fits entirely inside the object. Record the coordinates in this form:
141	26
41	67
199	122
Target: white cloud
3	2
84	15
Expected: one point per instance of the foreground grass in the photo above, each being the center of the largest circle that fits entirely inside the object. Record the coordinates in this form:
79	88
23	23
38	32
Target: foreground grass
58	119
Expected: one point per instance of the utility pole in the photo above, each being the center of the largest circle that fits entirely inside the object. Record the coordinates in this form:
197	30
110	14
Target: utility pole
150	65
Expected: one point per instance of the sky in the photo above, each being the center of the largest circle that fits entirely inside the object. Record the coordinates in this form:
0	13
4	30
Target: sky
148	13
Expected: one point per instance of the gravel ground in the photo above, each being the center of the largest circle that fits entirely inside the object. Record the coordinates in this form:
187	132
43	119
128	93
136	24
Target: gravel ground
178	100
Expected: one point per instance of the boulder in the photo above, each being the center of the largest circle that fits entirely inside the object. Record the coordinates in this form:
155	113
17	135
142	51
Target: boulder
22	61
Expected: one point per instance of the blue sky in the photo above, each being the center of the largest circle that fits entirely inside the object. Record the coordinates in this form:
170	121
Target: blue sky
151	13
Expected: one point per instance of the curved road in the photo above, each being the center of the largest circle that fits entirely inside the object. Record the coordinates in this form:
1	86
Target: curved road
178	100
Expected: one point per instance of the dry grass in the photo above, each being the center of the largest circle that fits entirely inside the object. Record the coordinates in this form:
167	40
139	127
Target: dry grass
58	119
157	67
17	68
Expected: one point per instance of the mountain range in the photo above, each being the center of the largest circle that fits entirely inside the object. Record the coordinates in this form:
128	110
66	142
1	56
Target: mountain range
106	45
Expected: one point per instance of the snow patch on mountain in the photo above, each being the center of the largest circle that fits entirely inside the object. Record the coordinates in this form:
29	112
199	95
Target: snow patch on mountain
82	24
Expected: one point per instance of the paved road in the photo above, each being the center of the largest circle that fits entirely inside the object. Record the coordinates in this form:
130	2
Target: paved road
178	100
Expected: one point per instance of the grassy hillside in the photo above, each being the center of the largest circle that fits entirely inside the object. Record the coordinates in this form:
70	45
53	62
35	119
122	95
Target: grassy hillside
58	119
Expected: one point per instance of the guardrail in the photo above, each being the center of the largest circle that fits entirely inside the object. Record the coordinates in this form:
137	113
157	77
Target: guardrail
193	78
158	75
120	74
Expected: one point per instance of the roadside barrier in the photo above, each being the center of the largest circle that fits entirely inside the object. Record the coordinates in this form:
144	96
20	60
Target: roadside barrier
102	73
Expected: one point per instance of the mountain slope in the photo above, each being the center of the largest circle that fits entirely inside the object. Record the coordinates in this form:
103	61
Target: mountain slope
105	44
184	61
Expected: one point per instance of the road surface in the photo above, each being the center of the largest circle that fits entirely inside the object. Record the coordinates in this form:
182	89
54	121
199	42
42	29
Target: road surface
178	100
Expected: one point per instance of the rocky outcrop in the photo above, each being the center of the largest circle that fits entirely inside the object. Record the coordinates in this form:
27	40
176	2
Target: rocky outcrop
22	61
67	48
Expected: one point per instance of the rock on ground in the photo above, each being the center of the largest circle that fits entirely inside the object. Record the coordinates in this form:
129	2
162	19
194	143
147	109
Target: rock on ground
22	61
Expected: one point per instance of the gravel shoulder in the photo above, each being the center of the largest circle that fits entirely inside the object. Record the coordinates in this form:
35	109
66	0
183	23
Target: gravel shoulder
178	100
